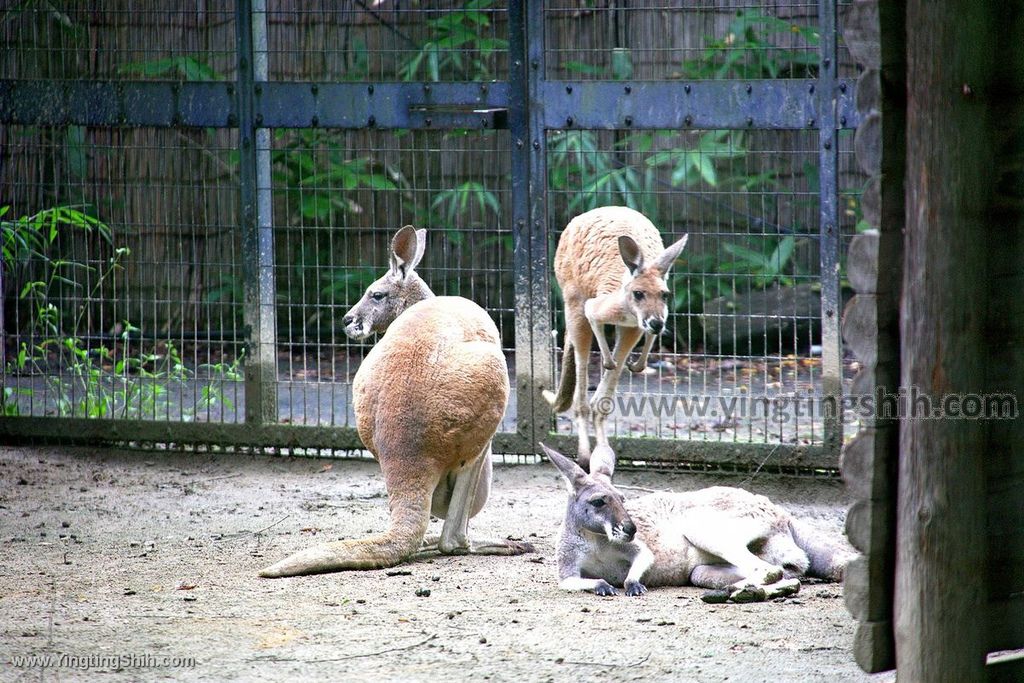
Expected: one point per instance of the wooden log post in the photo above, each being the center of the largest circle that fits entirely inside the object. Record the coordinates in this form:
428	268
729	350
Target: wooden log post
871	329
940	625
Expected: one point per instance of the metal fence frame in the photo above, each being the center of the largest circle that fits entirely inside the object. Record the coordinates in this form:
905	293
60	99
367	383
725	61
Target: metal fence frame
528	105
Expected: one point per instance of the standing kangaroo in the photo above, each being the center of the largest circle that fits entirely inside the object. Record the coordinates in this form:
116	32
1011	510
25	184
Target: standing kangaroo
611	266
720	537
428	399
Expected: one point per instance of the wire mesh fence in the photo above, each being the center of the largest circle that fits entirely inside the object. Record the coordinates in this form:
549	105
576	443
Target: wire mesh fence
339	196
125	40
128	283
745	314
695	40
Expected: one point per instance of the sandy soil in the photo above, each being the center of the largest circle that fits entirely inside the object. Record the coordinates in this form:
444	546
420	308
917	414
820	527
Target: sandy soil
152	558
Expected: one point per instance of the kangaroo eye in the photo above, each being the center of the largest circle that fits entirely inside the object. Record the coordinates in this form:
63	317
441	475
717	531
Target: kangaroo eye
598	503
379	296
638	295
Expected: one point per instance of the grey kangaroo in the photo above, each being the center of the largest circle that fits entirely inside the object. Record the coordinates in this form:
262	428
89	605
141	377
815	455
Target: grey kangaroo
723	538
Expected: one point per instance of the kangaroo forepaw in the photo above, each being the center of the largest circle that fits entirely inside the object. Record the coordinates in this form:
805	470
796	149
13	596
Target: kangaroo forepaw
604	588
635	588
608	363
749	593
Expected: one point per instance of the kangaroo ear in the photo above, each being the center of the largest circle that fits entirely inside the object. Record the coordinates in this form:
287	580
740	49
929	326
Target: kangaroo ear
406	250
671	253
574	476
631	254
602	462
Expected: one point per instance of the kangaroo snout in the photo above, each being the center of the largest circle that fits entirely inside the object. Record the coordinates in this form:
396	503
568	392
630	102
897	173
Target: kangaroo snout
354	327
629	530
654	325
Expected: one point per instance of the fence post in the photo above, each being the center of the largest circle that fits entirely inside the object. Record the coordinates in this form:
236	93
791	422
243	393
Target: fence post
256	214
830	242
534	371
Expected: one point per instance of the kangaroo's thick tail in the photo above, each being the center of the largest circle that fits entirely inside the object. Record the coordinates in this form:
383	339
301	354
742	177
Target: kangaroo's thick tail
561	401
409	520
828	557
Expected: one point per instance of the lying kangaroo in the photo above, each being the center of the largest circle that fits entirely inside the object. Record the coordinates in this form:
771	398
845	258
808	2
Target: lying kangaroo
719	538
611	266
428	399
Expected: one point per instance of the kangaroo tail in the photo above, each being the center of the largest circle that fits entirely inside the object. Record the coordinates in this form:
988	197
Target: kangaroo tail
409	519
828	557
561	401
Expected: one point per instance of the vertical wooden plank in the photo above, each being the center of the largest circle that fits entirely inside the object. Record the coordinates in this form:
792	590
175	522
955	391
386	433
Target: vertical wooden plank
940	592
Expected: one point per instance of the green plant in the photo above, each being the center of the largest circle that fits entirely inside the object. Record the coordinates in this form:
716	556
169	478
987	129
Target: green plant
212	393
468	205
458	46
28	246
83	378
745	52
316	180
692	165
696	282
594	177
765	265
183	68
620	68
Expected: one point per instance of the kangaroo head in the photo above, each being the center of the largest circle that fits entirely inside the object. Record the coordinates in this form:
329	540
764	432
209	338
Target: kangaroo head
595	506
397	290
645	290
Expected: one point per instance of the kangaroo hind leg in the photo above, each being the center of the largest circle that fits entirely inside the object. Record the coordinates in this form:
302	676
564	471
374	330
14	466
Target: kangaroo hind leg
472	486
625	339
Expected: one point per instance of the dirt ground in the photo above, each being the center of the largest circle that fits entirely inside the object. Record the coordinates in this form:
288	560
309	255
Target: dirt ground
124	566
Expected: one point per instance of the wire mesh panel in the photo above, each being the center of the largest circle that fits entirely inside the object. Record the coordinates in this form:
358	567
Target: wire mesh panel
126	40
740	361
388	41
118	272
339	197
654	40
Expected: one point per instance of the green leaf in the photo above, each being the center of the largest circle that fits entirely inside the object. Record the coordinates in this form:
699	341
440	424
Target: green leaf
707	170
315	206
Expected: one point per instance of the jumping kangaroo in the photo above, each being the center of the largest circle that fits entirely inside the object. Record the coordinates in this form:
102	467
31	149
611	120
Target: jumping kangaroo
428	399
611	266
719	538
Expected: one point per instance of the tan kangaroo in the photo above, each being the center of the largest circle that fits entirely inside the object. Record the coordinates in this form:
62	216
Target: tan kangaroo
611	266
720	537
428	399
